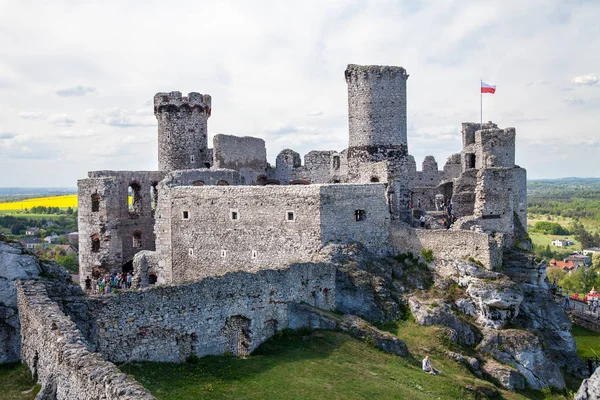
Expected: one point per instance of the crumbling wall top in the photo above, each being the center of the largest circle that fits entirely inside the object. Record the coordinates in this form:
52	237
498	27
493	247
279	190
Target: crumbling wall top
354	70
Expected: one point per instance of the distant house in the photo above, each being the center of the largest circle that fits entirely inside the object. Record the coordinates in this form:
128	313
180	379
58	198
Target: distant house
65	248
562	243
566	266
72	237
51	239
31	243
591	251
32	231
579	260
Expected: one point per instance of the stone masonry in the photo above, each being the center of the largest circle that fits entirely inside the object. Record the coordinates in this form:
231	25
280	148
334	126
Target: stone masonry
244	214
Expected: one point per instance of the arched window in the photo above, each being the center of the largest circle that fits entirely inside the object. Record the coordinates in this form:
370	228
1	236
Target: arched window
134	201
223	182
198	183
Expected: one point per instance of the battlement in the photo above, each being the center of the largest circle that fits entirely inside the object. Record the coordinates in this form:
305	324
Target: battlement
174	101
354	71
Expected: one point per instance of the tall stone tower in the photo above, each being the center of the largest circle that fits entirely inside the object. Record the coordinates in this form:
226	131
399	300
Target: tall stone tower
182	132
378	150
376	105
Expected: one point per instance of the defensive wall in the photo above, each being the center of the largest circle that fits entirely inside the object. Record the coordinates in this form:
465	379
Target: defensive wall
449	244
234	313
58	356
218	229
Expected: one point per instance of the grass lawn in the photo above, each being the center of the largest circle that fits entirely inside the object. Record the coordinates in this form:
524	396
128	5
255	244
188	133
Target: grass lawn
543	240
16	382
320	365
588	342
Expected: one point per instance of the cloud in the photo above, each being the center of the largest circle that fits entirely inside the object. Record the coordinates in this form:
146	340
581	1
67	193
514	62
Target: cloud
588	80
32	115
116	116
7	135
315	113
573	101
76	134
78	90
61	120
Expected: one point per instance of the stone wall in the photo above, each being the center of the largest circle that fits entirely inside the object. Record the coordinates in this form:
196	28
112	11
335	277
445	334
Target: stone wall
110	230
376	105
248	155
495	148
213	230
448	244
58	356
182	130
162	229
234	313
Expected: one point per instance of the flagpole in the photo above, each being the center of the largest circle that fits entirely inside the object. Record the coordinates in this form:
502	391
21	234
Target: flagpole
480	104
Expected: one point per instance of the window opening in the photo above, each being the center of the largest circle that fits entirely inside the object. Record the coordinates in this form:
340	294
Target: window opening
95	244
95	202
336	162
153	196
234	215
137	239
254	254
134	200
290	216
222	182
190	252
360	215
185	215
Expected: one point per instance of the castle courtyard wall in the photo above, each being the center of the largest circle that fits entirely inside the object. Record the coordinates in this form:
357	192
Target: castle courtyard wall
449	244
58	356
170	323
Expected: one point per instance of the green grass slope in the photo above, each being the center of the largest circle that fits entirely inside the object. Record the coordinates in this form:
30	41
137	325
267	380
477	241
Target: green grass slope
320	365
16	382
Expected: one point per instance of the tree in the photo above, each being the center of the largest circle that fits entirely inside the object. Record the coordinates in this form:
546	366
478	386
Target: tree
68	262
596	261
555	274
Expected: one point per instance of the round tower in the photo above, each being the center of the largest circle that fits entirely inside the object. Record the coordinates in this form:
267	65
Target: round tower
376	105
182	132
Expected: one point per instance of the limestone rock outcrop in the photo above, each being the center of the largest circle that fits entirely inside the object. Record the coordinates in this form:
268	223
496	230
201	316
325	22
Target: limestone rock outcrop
437	312
507	376
15	263
523	351
590	388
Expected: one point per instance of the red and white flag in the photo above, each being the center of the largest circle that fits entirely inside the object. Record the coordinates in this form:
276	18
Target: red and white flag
485	88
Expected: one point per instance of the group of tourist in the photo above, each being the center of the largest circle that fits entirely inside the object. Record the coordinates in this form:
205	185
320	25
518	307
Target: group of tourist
445	205
592	300
108	283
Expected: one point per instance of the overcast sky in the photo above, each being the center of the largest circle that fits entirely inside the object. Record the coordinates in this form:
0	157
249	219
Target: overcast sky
77	79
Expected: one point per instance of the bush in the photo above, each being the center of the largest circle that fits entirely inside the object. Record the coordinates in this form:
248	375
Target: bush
427	255
550	228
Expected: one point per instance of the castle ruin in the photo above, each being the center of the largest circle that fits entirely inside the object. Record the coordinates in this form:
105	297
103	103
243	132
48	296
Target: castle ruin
208	211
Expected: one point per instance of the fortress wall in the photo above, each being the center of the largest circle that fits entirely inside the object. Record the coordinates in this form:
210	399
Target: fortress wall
495	148
339	224
245	154
57	354
113	223
234	313
448	244
211	242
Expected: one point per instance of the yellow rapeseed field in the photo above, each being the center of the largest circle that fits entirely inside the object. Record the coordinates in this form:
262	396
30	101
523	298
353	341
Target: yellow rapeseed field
66	201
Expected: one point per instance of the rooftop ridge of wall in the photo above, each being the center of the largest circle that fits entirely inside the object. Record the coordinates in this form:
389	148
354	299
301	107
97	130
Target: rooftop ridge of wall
105	173
166	101
376	71
56	352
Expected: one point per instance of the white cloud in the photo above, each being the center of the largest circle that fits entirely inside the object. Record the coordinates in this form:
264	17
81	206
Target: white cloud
61	120
589	79
118	117
78	90
32	115
275	70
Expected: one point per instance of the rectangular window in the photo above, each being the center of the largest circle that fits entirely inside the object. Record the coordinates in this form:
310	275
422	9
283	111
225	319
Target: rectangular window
192	158
185	215
254	254
360	215
290	216
234	215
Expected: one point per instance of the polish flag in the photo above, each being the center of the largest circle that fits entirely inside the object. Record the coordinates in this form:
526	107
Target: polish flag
485	88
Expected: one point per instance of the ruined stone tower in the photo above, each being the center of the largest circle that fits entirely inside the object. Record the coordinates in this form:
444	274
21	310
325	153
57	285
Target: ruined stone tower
376	106
182	131
378	150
